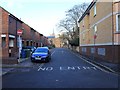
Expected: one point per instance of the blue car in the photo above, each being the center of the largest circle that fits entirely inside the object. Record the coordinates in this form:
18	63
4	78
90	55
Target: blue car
41	54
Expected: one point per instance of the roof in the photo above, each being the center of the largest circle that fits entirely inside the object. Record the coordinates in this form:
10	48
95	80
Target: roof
87	10
11	15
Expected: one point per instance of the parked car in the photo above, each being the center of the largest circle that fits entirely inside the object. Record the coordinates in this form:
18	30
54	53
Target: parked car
45	47
41	54
31	48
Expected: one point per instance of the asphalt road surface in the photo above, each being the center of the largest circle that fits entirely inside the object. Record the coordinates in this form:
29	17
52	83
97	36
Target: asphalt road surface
65	70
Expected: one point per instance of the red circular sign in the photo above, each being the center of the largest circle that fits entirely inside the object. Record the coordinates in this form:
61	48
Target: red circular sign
19	32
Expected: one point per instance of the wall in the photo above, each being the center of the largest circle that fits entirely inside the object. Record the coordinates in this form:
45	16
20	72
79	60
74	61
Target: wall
9	24
5	20
102	47
0	32
103	21
26	32
57	42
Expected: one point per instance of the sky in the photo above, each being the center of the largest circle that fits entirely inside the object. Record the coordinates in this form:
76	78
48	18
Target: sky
42	15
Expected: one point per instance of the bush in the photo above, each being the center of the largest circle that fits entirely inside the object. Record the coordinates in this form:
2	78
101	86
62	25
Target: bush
74	42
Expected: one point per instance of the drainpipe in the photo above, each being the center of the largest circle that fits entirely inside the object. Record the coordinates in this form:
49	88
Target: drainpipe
112	33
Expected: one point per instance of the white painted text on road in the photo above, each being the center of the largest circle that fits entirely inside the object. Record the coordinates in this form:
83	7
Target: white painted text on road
63	68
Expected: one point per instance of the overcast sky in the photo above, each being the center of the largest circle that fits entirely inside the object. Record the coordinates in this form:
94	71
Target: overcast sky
42	15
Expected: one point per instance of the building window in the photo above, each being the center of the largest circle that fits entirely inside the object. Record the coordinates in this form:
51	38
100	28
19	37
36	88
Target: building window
95	10
95	29
118	23
84	50
11	42
117	0
92	50
3	41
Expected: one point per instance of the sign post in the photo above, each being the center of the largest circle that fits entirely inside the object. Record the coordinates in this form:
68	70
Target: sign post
95	36
19	32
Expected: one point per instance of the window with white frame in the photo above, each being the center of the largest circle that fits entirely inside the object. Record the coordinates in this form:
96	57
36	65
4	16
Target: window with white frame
116	0
95	29
11	42
95	10
118	22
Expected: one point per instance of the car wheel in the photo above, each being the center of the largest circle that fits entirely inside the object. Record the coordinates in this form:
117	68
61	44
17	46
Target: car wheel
47	60
32	61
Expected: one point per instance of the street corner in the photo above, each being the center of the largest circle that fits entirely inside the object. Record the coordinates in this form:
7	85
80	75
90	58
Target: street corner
5	71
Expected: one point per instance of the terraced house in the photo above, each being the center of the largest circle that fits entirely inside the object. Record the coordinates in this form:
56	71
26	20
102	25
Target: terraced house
100	30
9	45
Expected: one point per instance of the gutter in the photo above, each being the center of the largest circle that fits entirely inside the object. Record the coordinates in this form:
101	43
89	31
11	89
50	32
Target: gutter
87	10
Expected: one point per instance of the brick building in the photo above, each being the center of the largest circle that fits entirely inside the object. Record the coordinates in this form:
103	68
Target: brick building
9	24
100	31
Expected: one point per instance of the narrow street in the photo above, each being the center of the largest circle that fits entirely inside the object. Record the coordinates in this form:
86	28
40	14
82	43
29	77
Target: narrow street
65	70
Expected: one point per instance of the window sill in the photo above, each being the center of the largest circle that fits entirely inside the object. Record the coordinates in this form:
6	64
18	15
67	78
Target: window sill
117	32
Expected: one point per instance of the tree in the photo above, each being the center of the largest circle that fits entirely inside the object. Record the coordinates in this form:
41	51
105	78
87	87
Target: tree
65	25
74	42
76	12
70	23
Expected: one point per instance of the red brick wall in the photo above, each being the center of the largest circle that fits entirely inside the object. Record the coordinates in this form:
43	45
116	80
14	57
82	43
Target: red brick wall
9	25
0	29
26	32
32	35
111	53
5	21
12	26
13	31
37	38
119	6
0	20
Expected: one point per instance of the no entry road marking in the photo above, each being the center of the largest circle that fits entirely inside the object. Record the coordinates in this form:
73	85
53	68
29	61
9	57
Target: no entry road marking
40	66
66	68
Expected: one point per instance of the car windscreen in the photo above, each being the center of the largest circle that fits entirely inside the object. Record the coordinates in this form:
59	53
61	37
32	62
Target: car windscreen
41	51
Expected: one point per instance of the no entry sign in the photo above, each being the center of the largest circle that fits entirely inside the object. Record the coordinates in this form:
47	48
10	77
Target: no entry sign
19	32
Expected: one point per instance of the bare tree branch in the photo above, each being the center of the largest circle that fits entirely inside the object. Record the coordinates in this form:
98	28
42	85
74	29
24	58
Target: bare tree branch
70	23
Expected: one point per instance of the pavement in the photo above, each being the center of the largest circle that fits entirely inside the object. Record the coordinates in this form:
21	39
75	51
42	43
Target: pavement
25	62
111	67
114	68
